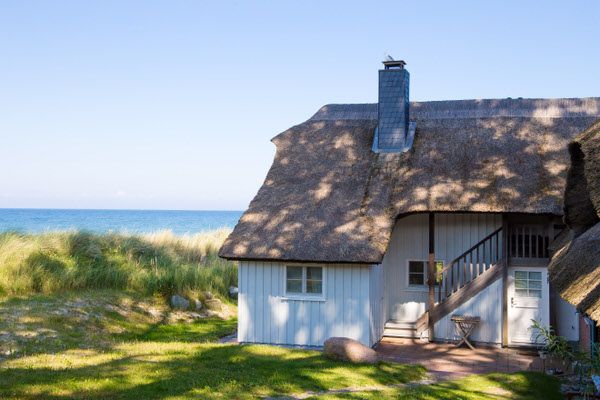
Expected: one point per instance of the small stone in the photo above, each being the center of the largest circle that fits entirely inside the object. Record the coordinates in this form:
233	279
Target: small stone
207	295
195	316
233	292
214	304
197	305
346	349
179	302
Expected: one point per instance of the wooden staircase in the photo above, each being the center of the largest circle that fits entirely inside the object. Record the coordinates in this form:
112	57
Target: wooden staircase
400	329
464	277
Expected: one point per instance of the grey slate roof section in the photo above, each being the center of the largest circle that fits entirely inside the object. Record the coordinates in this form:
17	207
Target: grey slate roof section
393	109
485	108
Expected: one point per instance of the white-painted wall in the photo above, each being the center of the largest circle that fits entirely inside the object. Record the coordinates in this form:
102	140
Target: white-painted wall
266	315
454	234
567	319
488	306
376	299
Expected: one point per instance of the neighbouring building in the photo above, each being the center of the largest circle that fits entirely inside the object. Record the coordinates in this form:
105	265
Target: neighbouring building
575	268
389	218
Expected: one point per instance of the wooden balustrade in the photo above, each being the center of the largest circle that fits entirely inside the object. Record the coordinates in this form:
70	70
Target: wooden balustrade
469	265
528	242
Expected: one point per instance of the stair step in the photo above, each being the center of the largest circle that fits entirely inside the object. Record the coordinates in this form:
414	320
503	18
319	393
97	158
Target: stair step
400	329
400	333
400	325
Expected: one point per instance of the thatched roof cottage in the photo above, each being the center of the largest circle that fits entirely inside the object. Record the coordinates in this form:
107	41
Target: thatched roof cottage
389	218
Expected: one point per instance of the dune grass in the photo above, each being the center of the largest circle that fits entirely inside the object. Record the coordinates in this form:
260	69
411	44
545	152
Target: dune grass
155	263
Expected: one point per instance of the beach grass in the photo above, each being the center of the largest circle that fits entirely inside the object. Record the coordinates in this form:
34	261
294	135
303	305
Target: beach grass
156	263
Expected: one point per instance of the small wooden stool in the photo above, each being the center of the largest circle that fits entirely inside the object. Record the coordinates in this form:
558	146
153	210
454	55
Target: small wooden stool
464	326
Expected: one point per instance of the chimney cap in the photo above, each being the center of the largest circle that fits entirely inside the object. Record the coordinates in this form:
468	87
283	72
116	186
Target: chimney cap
394	64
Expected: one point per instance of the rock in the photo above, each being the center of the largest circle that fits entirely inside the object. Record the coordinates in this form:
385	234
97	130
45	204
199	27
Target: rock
214	304
207	295
197	305
233	292
346	349
215	314
179	302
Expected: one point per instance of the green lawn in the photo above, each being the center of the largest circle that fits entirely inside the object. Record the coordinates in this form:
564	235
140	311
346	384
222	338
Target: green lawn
114	345
158	368
108	345
521	386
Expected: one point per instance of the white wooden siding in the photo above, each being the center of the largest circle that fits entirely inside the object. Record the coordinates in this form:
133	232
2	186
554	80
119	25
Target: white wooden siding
454	233
567	319
265	315
487	305
376	299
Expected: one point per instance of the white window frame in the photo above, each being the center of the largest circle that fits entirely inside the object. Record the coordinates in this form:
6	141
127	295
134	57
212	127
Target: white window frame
528	289
304	295
424	286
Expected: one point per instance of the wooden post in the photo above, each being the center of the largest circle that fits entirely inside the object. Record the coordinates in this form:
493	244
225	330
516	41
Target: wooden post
431	273
506	256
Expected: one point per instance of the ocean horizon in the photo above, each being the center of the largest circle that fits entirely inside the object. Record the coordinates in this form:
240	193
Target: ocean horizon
180	222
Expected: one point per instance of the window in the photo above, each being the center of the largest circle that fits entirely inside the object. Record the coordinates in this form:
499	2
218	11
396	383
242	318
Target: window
304	280
528	284
417	272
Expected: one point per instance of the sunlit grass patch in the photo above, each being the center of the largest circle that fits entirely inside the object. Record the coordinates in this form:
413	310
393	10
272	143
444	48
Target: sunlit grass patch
134	370
517	386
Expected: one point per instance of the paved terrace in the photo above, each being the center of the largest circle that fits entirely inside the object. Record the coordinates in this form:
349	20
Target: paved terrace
446	361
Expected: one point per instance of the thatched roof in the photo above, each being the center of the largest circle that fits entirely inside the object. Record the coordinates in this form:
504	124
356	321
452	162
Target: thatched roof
329	198
575	272
575	268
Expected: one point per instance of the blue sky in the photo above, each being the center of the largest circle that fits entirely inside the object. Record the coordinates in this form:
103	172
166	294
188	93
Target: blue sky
171	104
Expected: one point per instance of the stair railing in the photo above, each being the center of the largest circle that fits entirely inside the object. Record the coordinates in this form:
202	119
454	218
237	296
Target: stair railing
469	265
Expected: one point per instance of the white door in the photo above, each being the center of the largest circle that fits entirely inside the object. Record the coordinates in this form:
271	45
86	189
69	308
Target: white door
528	299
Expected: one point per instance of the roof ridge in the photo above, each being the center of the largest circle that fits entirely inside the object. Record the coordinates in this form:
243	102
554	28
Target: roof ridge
472	108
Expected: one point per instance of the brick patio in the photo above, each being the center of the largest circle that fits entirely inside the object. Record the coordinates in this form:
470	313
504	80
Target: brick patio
446	361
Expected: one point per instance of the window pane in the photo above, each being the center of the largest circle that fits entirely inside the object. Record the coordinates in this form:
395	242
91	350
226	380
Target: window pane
439	266
416	279
294	272
535	284
520	292
315	287
535	293
416	266
520	275
314	273
520	284
535	276
294	286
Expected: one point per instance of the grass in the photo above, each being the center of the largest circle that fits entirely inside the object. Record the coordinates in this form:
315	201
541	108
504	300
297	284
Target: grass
112	345
182	370
93	319
155	263
518	386
108	344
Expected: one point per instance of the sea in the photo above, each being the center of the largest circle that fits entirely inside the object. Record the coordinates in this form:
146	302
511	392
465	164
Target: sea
102	221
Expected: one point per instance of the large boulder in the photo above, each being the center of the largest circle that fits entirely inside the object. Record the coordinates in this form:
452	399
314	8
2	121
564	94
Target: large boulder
346	349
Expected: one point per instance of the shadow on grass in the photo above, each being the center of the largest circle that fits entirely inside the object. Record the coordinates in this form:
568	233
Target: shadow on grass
520	385
203	331
210	371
